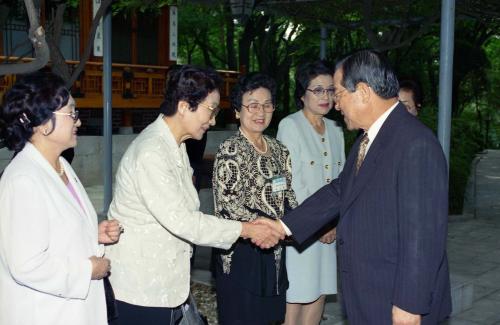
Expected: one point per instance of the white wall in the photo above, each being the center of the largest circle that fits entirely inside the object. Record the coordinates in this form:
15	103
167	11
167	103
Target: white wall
88	157
88	154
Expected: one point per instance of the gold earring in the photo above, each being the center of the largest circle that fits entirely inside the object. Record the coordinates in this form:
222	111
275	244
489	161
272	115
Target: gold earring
45	132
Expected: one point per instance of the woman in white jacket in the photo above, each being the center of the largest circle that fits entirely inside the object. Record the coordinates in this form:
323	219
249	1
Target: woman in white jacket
51	262
158	205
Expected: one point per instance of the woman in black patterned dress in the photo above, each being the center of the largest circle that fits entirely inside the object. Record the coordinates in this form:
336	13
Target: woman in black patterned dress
252	178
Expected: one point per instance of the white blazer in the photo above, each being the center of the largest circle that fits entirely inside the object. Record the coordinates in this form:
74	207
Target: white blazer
158	206
46	239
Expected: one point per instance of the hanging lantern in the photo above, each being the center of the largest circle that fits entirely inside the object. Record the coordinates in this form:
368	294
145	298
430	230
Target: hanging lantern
241	9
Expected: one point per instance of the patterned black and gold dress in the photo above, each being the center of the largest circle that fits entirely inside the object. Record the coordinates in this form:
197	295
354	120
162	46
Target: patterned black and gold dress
251	282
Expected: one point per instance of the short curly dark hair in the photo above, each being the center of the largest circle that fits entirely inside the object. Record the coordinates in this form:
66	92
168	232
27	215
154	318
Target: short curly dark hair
191	84
251	82
305	73
28	104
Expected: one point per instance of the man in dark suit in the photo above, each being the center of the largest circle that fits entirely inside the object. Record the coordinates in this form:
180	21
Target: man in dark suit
392	204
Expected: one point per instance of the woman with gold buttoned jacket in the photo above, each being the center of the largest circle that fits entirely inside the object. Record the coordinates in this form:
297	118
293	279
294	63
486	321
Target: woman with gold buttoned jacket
316	146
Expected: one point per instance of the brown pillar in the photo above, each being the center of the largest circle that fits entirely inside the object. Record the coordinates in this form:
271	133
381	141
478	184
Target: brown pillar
85	13
126	118
163	36
133	38
43	18
126	126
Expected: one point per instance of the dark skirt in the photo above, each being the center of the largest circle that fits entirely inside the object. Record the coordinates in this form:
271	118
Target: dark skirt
129	314
254	291
237	306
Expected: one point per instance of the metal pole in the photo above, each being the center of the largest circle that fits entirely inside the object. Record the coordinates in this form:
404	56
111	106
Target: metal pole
107	110
322	44
446	74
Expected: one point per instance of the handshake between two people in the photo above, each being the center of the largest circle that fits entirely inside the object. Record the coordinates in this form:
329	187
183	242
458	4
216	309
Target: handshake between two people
263	232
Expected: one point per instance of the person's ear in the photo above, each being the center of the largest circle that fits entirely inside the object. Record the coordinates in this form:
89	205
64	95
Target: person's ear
237	115
182	107
364	91
44	129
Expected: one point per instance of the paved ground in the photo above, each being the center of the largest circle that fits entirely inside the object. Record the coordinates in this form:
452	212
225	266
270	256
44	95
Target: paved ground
474	247
473	250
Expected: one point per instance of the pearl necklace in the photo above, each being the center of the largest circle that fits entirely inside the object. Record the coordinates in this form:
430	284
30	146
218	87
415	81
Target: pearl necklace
253	144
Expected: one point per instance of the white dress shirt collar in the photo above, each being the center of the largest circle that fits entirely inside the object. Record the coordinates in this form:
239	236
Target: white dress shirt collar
377	125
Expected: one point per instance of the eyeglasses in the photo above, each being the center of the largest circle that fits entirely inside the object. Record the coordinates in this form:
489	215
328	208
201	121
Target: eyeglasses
320	91
337	95
255	107
74	115
214	110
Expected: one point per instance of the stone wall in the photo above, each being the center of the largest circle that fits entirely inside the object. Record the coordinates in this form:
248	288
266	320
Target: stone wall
88	154
87	162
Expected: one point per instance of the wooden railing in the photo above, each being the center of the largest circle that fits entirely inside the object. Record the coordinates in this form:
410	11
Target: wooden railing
133	86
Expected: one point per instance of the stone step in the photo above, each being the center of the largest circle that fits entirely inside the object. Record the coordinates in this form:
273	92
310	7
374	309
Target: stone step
462	293
202	276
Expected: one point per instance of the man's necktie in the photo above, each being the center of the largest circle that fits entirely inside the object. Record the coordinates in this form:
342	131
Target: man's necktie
362	151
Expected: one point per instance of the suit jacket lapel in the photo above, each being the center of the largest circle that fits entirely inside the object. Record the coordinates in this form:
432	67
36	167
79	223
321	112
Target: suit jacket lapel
348	174
369	167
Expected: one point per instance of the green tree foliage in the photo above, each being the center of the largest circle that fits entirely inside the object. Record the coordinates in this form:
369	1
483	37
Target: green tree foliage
407	31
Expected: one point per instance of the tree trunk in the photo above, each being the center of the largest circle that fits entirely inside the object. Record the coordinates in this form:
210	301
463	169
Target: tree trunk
59	65
286	89
37	37
232	63
244	44
431	74
204	50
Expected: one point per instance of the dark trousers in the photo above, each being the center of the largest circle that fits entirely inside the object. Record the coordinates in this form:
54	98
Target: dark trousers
139	315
